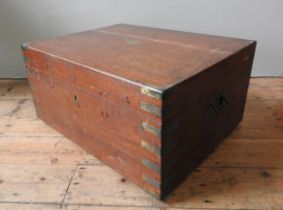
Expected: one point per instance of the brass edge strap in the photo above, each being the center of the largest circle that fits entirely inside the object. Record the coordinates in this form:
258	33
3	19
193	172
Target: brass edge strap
151	165
151	181
151	93
151	148
24	46
151	109
155	194
153	130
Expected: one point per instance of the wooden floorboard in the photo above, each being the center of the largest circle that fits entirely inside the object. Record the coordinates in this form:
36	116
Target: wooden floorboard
41	169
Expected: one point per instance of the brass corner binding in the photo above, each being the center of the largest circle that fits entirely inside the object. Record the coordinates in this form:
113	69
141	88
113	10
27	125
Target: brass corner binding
151	93
151	148
152	186
24	46
152	182
155	185
151	129
151	165
155	194
151	108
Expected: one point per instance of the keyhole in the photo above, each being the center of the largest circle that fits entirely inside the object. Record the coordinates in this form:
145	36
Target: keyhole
218	104
75	98
222	101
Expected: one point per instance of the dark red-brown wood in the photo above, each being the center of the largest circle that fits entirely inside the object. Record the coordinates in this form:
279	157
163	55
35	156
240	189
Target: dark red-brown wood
150	103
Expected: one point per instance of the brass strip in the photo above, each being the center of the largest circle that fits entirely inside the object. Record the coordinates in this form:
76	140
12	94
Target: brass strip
151	181
24	46
153	130
149	147
151	109
155	194
151	165
151	93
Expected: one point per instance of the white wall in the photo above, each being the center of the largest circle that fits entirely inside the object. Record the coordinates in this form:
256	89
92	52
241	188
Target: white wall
27	20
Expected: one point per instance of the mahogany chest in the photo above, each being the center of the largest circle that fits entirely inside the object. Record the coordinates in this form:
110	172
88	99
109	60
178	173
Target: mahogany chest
150	103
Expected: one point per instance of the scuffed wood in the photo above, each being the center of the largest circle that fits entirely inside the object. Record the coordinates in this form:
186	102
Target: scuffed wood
231	188
101	185
17	109
42	150
266	81
247	153
265	93
259	127
257	133
93	207
29	206
14	89
16	114
26	128
264	108
34	183
40	158
224	188
34	206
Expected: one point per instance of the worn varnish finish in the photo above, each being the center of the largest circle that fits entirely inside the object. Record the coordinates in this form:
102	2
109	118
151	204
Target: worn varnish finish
40	169
150	103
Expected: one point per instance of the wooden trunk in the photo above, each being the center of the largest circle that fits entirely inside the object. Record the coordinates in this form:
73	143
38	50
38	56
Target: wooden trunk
150	103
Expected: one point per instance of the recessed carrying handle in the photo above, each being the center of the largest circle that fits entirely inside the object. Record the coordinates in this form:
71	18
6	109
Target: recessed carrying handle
218	103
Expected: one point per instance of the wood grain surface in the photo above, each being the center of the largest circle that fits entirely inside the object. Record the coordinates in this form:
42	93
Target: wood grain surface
142	55
151	103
